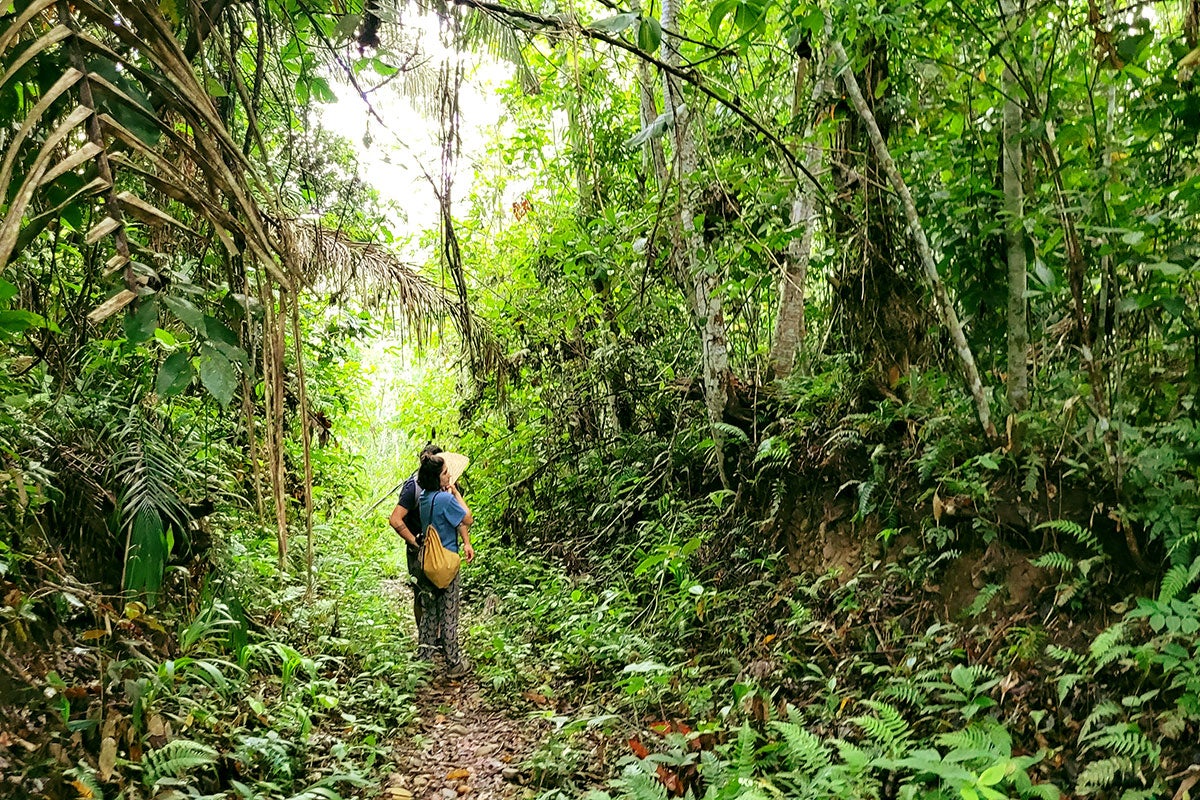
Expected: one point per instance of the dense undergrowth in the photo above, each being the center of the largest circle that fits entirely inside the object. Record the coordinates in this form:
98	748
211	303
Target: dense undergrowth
224	677
982	634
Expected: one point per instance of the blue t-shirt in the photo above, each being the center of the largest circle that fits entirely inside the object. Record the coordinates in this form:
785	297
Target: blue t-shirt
446	513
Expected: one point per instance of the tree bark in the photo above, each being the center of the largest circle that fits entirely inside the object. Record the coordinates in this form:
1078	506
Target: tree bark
705	282
1014	228
941	295
652	150
790	330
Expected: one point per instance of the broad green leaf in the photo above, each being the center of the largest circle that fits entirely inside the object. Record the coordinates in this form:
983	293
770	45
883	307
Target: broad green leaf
141	324
186	313
346	26
174	375
7	291
649	34
321	91
993	774
217	374
214	87
614	24
718	14
18	321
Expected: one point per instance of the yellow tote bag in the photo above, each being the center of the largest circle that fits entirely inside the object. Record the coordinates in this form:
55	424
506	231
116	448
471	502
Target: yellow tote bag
439	564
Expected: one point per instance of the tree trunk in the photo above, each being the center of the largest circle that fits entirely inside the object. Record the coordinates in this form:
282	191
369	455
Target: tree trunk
652	150
788	340
940	294
705	283
1014	213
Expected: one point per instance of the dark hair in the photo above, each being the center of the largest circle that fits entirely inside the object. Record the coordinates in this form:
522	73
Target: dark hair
430	449
429	476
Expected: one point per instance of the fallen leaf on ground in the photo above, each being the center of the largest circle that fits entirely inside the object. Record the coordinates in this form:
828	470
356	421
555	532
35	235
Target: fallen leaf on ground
458	774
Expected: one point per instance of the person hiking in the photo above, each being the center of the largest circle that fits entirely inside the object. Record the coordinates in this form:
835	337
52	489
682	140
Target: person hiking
406	521
442	506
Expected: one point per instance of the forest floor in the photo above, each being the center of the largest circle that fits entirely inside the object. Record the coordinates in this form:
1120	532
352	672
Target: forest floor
461	743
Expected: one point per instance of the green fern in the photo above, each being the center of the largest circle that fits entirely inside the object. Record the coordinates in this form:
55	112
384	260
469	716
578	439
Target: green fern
888	730
745	753
1123	740
1075	531
1054	560
774	451
985	596
984	737
1064	655
1101	713
804	752
731	433
1099	774
1178	578
1066	683
268	752
1106	647
88	779
935	459
174	759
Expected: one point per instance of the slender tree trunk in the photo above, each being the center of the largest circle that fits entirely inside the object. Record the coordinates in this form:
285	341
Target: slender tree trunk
941	295
652	150
705	282
788	340
1014	211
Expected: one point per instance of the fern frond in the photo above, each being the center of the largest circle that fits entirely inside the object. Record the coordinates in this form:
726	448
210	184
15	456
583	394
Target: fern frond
86	777
175	759
888	729
1076	531
984	737
1104	711
1054	560
1106	648
745	752
1178	578
1064	655
804	752
1066	683
1100	774
773	451
731	432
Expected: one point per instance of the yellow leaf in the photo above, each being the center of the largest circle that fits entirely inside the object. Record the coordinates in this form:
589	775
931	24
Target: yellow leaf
84	792
98	633
458	774
135	609
770	637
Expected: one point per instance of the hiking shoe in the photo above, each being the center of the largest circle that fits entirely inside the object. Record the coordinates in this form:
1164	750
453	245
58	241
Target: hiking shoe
459	670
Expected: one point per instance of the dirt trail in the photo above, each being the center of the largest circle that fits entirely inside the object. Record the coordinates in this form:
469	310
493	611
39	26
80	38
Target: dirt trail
460	744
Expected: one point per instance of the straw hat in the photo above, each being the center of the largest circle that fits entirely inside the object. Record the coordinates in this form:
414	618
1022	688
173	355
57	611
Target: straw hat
456	464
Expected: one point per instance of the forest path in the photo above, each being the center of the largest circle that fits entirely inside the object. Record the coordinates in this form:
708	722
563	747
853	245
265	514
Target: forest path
461	743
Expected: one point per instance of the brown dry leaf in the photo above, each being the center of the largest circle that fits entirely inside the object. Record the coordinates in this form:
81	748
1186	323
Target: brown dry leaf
937	509
108	757
535	698
1185	787
398	793
84	792
94	634
463	789
458	774
154	726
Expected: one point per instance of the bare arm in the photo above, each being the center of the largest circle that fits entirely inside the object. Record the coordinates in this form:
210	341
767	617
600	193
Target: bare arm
464	527
396	520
